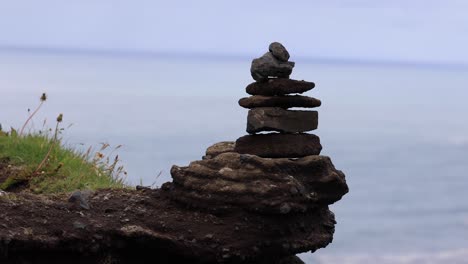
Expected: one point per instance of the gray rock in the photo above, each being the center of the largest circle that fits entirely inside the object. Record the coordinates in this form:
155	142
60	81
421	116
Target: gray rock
279	87
280	120
80	198
286	101
268	66
279	51
279	145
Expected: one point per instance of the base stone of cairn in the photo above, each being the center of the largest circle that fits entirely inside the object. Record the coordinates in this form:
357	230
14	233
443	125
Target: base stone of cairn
233	180
275	176
279	145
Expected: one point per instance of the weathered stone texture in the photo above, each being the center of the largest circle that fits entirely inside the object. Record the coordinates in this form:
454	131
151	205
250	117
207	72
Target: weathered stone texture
286	101
218	148
259	184
279	51
280	120
279	86
279	145
268	66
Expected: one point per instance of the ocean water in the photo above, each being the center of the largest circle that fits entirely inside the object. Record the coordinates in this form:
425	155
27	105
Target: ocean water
400	134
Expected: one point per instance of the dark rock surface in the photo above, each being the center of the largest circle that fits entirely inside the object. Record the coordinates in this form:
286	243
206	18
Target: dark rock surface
80	199
218	148
280	120
291	260
248	182
279	87
286	101
279	51
131	227
268	66
279	145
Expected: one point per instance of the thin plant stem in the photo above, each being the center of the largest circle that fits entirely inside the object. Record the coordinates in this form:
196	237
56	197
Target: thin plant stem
30	117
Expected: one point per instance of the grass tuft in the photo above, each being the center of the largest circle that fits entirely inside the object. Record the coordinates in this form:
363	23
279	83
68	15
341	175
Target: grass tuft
41	162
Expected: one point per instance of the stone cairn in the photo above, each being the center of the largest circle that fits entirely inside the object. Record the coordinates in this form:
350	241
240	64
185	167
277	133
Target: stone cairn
269	103
279	173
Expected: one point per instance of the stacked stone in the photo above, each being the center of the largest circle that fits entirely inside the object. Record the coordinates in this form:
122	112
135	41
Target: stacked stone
278	175
272	95
277	172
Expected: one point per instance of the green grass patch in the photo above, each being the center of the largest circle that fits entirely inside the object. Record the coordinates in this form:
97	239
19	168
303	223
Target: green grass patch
64	169
46	165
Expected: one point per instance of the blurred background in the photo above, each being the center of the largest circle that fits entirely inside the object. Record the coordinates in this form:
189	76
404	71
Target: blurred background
163	78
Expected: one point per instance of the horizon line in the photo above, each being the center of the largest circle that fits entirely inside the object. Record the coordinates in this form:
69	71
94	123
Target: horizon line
145	54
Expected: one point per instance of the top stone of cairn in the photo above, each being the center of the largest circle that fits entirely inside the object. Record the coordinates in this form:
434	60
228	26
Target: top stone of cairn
273	64
279	51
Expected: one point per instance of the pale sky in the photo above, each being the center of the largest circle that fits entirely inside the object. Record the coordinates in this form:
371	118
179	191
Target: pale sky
392	30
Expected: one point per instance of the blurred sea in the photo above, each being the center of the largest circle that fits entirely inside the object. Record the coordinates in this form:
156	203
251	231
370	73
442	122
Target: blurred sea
399	132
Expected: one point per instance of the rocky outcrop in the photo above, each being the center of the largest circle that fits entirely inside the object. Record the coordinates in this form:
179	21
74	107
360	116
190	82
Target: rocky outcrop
248	182
148	226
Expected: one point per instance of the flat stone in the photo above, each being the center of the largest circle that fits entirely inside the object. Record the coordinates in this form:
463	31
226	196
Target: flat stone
281	186
281	120
218	148
286	101
279	51
268	66
279	87
279	145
